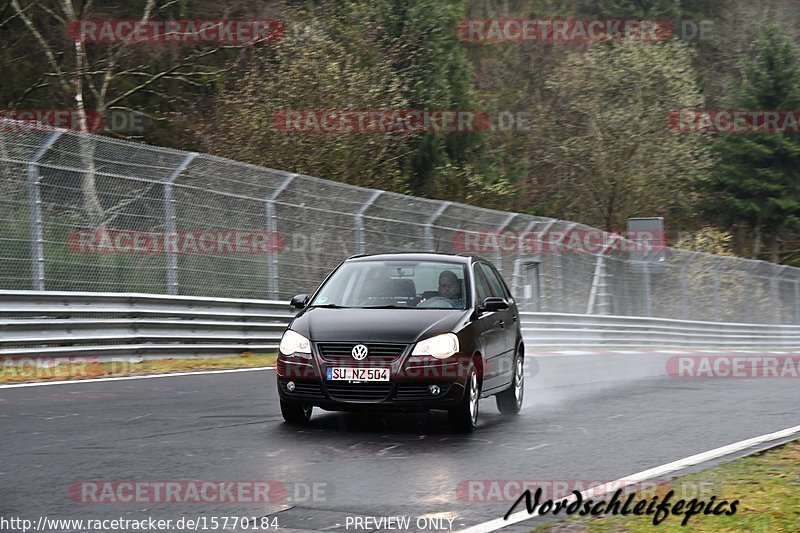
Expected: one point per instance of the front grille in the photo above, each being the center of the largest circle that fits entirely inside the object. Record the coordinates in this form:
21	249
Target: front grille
378	354
364	391
419	391
304	389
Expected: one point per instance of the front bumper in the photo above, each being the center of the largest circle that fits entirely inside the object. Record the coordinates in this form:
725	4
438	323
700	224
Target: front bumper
406	390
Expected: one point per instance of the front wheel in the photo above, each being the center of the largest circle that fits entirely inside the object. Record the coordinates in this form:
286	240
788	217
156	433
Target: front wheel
509	402
296	414
464	417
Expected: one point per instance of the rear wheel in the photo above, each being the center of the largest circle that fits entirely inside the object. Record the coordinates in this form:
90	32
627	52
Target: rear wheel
509	402
296	414
464	417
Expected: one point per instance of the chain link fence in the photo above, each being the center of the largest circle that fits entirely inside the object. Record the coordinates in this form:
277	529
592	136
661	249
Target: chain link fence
88	213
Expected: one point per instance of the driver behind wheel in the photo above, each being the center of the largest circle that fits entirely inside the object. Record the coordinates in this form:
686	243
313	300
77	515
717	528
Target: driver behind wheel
450	287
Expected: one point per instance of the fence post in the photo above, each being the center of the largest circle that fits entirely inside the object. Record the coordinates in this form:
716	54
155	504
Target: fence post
35	214
559	267
775	279
498	261
773	297
748	311
429	225
272	233
598	290
685	285
170	224
648	311
540	250
361	240
797	301
518	263
717	266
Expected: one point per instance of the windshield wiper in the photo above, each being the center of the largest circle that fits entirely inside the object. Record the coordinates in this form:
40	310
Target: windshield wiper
330	306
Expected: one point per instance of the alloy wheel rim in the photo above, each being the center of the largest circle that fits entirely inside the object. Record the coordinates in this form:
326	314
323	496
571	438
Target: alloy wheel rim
518	381
473	397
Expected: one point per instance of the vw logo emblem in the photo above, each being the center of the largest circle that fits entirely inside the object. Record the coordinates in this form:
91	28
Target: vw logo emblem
359	352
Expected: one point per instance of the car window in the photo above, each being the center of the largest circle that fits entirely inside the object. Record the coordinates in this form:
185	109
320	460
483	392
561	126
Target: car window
495	284
410	284
482	288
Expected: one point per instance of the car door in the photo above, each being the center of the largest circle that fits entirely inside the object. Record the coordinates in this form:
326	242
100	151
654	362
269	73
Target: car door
506	320
492	334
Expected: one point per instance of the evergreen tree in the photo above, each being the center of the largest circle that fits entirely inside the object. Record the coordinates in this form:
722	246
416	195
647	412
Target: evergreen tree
757	179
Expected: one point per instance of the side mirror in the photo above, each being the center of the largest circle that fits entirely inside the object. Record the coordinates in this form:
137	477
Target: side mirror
494	303
299	301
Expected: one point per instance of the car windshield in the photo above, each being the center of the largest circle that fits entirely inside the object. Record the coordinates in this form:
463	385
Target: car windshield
395	284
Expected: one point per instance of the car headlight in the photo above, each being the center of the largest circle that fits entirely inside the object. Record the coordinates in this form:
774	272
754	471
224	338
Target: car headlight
294	343
440	346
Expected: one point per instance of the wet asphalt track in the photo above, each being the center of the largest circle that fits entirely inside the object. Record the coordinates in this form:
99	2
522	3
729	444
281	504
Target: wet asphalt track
592	417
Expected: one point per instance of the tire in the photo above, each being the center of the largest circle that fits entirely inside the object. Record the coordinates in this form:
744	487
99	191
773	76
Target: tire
509	402
296	414
464	417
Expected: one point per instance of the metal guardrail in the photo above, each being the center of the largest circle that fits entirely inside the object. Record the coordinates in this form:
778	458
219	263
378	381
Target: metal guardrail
36	323
98	324
558	329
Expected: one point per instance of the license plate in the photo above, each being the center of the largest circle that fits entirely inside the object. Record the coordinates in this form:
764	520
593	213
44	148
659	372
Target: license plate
357	374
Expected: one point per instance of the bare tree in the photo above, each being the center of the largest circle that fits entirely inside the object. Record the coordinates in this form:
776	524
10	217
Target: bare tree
109	76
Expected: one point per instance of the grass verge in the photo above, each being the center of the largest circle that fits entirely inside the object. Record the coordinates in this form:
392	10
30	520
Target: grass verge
22	369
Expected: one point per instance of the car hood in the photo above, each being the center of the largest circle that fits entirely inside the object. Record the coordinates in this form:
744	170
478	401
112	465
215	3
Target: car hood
376	325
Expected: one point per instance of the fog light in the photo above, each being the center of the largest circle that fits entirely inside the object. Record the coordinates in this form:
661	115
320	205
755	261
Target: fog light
290	386
435	390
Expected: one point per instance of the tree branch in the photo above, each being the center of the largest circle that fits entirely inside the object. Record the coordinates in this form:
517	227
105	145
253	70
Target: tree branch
51	58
